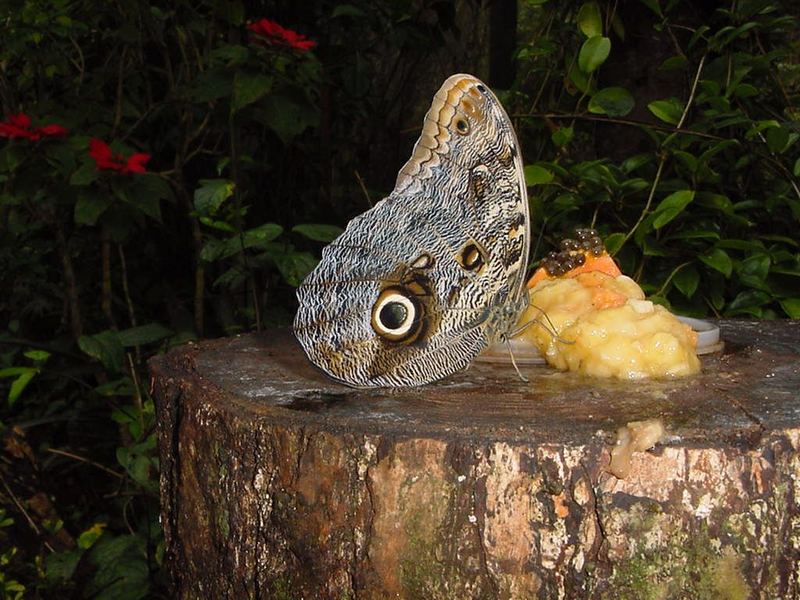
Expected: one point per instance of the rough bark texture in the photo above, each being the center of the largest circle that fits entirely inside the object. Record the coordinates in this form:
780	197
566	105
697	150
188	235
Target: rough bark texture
277	483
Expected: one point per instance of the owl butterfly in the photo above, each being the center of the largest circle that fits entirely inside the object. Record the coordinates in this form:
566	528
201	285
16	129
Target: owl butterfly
418	285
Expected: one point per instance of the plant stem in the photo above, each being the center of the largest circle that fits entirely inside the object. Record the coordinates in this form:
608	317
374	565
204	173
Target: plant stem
137	397
663	158
21	508
237	219
363	188
671	276
646	209
76	322
631	122
127	292
105	267
85	460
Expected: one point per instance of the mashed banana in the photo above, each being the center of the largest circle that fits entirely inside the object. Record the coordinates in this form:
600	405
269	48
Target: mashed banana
606	328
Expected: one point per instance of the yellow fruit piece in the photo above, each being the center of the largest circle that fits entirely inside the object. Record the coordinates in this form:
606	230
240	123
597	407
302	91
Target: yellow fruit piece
606	328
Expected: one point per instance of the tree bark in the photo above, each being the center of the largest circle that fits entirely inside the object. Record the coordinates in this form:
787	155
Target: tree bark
278	483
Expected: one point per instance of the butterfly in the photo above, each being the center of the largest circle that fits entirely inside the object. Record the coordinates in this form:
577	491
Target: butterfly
418	285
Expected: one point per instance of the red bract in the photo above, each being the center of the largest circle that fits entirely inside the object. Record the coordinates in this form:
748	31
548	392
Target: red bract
19	126
106	160
275	34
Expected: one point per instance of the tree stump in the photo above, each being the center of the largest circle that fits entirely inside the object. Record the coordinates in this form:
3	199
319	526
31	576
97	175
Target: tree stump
278	483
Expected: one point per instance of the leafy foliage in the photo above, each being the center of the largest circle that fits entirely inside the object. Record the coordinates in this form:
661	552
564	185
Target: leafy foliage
710	192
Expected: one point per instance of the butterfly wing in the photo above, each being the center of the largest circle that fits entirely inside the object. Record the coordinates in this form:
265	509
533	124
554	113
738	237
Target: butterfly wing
418	285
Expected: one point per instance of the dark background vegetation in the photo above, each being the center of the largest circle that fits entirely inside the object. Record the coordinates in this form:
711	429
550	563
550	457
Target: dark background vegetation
670	126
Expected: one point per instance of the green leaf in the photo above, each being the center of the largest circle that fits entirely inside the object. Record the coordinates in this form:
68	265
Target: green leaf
590	22
698	34
231	55
20	383
760	126
152	184
211	85
674	63
346	10
261	234
618	26
536	175
612	101
90	207
217	249
652	247
105	347
143	193
748	302
633	185
14	371
654	6
614	242
562	136
118	387
669	110
671	206
716	202
731	33
143	334
636	161
125	415
796	169
294	266
687	159
687	280
288	115
753	271
318	232
85	174
777	139
121	569
218	225
214	249
38	356
594	53
745	90
60	566
695	234
719	260
579	79
791	306
715	149
249	88
211	194
87	539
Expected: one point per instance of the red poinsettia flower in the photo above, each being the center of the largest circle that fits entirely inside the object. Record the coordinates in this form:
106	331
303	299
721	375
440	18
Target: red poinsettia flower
106	160
53	130
19	126
275	34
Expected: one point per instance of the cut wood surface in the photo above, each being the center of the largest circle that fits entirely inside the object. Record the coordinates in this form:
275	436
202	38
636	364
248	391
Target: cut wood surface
279	483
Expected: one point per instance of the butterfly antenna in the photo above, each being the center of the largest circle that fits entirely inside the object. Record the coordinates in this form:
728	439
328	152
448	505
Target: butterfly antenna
549	327
363	188
514	362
